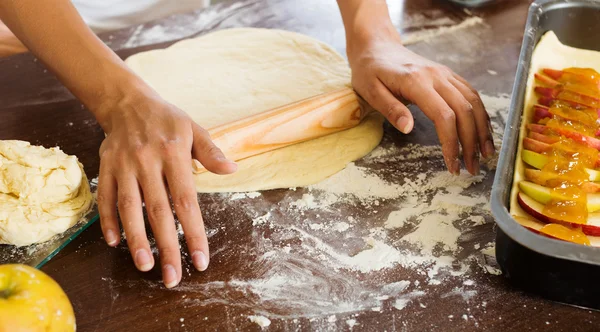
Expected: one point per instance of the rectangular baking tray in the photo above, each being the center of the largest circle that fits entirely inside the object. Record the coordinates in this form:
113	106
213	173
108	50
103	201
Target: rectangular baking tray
557	270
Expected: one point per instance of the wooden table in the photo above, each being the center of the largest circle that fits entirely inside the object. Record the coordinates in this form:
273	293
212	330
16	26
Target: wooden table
109	294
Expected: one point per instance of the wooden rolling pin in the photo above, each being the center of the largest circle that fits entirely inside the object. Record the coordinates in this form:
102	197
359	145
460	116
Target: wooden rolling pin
290	124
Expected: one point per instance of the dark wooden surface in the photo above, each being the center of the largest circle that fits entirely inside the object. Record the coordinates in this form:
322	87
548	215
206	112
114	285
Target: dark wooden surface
108	293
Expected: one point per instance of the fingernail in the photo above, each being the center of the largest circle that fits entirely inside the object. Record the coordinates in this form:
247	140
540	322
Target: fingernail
169	276
489	149
403	124
143	260
200	261
111	238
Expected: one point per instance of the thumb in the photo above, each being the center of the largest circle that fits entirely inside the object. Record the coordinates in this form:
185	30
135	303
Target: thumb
393	110
208	154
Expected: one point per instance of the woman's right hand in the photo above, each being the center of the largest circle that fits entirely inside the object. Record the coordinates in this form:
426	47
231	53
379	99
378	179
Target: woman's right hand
147	157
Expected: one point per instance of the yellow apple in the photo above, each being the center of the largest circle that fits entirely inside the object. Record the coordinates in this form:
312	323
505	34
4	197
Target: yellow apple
544	195
534	159
32	301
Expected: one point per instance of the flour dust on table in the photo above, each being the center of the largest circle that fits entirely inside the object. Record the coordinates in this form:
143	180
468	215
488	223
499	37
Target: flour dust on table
392	231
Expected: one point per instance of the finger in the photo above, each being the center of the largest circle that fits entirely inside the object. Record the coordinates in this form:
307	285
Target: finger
444	119
482	118
107	205
183	193
387	104
130	210
161	220
209	155
465	123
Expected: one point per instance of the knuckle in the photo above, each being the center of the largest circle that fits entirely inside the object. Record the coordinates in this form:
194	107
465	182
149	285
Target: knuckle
168	145
127	201
195	239
136	241
185	203
158	209
211	149
167	250
392	112
446	116
467	108
371	89
102	198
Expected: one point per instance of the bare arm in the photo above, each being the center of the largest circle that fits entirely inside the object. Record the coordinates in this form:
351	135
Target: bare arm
149	143
384	71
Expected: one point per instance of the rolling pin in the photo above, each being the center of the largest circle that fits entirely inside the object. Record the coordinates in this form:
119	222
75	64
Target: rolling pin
297	122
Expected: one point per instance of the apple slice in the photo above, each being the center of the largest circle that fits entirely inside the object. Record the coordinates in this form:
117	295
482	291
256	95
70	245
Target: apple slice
549	101
538	161
545	195
535	209
543	138
547	80
587	140
568	96
584	115
541	178
533	159
536	146
540	112
573	75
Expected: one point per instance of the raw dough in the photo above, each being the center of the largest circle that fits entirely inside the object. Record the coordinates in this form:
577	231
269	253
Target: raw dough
43	192
230	74
548	53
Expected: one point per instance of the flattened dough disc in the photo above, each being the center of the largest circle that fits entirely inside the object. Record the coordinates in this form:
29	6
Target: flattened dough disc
230	74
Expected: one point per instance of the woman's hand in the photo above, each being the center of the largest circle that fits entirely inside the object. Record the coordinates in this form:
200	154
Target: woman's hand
146	156
384	72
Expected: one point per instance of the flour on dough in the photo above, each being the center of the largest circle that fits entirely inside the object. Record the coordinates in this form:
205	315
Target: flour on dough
43	192
230	74
548	53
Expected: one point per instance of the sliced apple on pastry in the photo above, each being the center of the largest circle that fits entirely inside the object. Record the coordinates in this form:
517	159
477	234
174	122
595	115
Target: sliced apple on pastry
540	177
536	210
556	231
544	195
538	161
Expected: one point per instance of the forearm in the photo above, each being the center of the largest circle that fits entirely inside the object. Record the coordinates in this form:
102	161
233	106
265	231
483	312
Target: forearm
54	31
366	21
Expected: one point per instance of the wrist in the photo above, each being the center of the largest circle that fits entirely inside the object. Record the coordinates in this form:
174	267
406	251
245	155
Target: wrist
362	38
123	92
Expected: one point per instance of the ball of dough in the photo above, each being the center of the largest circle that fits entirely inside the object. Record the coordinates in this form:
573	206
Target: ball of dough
43	192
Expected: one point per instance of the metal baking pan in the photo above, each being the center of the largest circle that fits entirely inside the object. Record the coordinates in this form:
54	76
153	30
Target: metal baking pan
557	270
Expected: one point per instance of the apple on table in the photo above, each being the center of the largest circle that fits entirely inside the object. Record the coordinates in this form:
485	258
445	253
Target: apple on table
32	301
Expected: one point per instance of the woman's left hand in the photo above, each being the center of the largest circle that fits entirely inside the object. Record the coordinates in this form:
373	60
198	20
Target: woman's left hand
384	72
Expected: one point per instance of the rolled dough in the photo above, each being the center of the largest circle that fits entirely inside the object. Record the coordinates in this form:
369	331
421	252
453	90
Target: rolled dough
230	74
548	53
43	192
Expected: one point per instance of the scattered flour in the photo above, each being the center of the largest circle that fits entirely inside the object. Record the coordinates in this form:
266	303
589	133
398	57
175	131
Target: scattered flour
262	321
351	323
429	34
355	181
341	226
262	219
237	196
